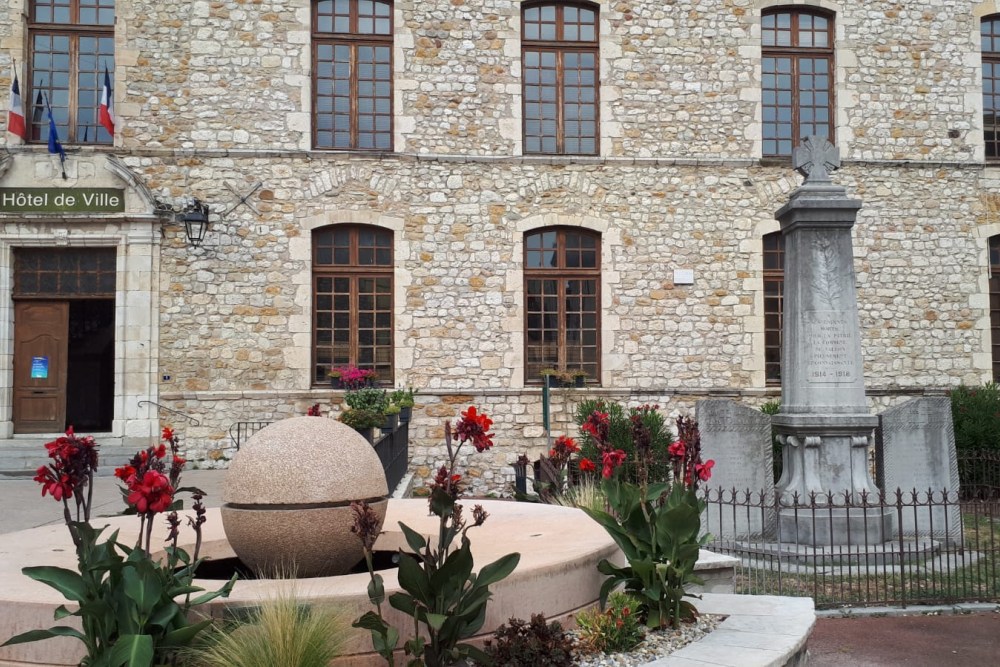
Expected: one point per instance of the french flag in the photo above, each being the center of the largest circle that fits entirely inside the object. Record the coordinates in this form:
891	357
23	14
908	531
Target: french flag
106	114
15	116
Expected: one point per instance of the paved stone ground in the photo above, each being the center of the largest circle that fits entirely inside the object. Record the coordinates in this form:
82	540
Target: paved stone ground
22	505
947	640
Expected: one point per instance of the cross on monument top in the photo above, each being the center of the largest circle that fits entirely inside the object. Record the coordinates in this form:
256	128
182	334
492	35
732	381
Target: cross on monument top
815	158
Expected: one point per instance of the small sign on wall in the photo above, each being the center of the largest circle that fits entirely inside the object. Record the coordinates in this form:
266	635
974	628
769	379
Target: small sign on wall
683	276
39	368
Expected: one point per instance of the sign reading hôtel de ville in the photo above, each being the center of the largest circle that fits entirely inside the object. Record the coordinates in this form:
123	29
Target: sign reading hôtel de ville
62	200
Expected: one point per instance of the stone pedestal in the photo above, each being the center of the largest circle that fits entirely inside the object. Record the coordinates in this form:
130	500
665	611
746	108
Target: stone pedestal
836	526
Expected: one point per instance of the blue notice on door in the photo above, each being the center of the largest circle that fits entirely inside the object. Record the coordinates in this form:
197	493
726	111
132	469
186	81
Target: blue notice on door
39	368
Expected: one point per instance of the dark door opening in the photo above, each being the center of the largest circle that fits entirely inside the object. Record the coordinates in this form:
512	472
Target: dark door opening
90	381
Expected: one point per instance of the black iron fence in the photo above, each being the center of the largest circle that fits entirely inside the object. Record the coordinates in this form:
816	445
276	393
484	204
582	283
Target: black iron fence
392	447
899	548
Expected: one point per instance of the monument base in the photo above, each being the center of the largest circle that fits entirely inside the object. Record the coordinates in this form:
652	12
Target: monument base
854	559
821	527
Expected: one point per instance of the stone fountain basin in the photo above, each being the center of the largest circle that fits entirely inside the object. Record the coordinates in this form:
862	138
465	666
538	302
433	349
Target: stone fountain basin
557	575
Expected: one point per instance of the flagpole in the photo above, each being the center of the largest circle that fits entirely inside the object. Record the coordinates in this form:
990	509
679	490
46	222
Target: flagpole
54	145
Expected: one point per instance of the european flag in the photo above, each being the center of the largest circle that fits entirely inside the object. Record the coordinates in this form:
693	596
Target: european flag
54	145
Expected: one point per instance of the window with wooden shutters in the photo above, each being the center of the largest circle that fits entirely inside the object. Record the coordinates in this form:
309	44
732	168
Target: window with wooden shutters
71	44
797	78
562	277
560	69
774	289
352	300
352	74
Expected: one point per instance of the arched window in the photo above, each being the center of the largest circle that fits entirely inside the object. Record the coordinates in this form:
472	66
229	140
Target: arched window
562	279
72	43
352	74
352	300
560	73
989	31
774	289
797	78
995	304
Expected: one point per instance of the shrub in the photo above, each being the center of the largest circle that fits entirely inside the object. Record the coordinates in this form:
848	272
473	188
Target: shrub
614	630
777	460
360	420
620	437
976	414
521	643
587	494
404	398
368	398
281	631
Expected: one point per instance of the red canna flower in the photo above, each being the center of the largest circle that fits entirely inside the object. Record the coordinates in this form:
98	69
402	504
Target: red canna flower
586	465
678	449
475	427
611	460
151	494
160	451
168	433
598	425
126	473
704	470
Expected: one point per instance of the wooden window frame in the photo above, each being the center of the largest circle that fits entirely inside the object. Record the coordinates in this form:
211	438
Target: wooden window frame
353	40
353	271
991	56
773	245
993	249
797	53
74	30
560	47
561	274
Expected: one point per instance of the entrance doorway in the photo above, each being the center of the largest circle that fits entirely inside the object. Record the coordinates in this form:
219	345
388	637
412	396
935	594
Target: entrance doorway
64	326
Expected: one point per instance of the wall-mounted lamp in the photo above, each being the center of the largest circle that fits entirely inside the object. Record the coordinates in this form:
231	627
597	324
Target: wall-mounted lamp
195	218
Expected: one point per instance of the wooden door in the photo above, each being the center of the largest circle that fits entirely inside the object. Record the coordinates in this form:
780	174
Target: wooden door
41	335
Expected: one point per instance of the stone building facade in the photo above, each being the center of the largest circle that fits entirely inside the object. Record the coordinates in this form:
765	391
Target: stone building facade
212	98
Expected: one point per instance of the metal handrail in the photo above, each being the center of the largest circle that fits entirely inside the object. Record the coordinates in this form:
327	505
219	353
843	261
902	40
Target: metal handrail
171	410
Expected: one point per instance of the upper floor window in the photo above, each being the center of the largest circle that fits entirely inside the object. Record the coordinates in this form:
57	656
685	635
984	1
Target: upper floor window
560	72
797	78
72	43
352	300
989	31
774	290
352	74
562	277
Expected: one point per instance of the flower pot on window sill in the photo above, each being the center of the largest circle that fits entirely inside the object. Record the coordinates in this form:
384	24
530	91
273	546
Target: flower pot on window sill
335	383
580	381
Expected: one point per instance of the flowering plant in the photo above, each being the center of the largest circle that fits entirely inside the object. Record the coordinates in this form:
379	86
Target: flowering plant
655	523
441	591
352	377
70	475
127	602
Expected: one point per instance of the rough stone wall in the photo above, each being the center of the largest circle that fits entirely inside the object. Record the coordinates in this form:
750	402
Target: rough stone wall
217	94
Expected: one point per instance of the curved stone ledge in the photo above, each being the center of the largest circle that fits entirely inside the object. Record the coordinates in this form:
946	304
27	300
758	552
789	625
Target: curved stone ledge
759	631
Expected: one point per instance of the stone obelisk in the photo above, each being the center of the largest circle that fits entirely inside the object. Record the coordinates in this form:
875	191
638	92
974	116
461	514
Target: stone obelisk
824	424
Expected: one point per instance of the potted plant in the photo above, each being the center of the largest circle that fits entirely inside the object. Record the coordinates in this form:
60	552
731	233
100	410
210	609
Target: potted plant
579	377
390	418
362	421
550	377
404	399
351	377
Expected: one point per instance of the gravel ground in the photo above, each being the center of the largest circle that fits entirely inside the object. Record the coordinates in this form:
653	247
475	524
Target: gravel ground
655	645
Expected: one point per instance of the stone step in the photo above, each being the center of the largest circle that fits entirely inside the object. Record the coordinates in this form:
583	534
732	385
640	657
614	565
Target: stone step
21	459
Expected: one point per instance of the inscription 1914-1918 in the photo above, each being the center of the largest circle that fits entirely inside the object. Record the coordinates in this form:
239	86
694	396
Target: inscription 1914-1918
831	345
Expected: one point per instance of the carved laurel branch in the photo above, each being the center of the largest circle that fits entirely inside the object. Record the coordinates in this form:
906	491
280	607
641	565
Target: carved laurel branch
825	280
